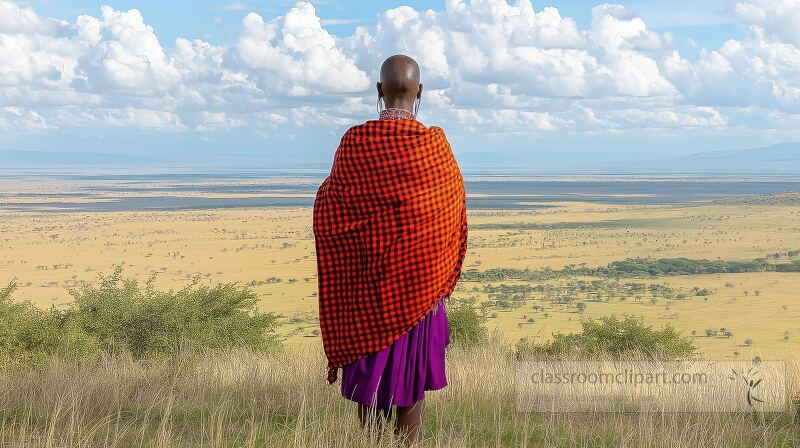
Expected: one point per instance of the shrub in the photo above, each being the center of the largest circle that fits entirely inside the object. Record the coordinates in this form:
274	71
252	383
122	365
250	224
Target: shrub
26	332
120	315
615	338
466	324
126	316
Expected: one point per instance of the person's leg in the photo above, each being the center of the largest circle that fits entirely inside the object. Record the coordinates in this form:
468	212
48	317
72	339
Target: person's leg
409	422
373	420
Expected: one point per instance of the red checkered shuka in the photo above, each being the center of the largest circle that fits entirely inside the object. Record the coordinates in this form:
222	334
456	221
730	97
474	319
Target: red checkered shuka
390	229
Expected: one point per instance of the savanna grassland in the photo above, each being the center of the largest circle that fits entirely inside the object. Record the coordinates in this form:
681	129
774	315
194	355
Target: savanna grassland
271	249
724	273
242	399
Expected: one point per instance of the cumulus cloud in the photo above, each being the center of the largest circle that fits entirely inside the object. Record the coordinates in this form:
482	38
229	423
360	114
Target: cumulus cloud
778	18
488	66
211	121
124	53
144	118
22	120
294	54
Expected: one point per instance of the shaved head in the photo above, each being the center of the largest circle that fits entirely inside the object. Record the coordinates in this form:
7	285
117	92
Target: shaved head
399	85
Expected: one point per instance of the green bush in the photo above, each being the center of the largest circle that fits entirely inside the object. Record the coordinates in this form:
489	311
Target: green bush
466	324
615	338
126	316
122	316
27	333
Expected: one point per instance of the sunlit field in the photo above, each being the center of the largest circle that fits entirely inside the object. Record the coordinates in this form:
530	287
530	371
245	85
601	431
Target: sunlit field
723	273
271	249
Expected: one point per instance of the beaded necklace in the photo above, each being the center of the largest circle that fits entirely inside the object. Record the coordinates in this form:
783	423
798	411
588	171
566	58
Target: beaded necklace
393	113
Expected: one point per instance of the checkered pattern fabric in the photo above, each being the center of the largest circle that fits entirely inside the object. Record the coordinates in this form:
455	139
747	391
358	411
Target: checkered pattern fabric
390	229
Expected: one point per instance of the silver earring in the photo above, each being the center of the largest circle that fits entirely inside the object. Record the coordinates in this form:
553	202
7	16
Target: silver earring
379	105
416	106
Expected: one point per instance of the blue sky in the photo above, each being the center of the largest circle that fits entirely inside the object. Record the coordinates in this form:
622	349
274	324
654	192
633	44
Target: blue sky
706	22
281	80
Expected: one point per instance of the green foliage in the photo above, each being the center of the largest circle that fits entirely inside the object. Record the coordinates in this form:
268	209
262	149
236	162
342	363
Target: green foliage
125	315
615	338
5	293
120	315
466	324
26	332
633	268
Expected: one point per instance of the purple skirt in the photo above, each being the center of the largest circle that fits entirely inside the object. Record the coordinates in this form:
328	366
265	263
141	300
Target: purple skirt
400	374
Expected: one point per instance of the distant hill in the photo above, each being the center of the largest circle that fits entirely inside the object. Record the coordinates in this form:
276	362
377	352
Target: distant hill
780	158
782	152
783	158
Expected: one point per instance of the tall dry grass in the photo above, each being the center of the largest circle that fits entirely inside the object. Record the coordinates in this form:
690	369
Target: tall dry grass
244	399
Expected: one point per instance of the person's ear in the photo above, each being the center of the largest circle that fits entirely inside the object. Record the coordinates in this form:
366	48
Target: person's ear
379	88
419	94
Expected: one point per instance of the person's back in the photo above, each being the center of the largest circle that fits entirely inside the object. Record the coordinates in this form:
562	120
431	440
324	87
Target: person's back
390	232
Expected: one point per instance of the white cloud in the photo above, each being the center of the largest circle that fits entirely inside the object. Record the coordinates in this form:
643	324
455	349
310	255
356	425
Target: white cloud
23	120
143	118
295	55
236	6
215	121
621	38
524	120
779	18
671	118
276	119
126	55
327	22
14	19
488	66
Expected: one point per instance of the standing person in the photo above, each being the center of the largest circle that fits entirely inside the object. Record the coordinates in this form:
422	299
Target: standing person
390	230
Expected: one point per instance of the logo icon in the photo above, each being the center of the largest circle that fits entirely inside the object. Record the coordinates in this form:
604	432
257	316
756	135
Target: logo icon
751	380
